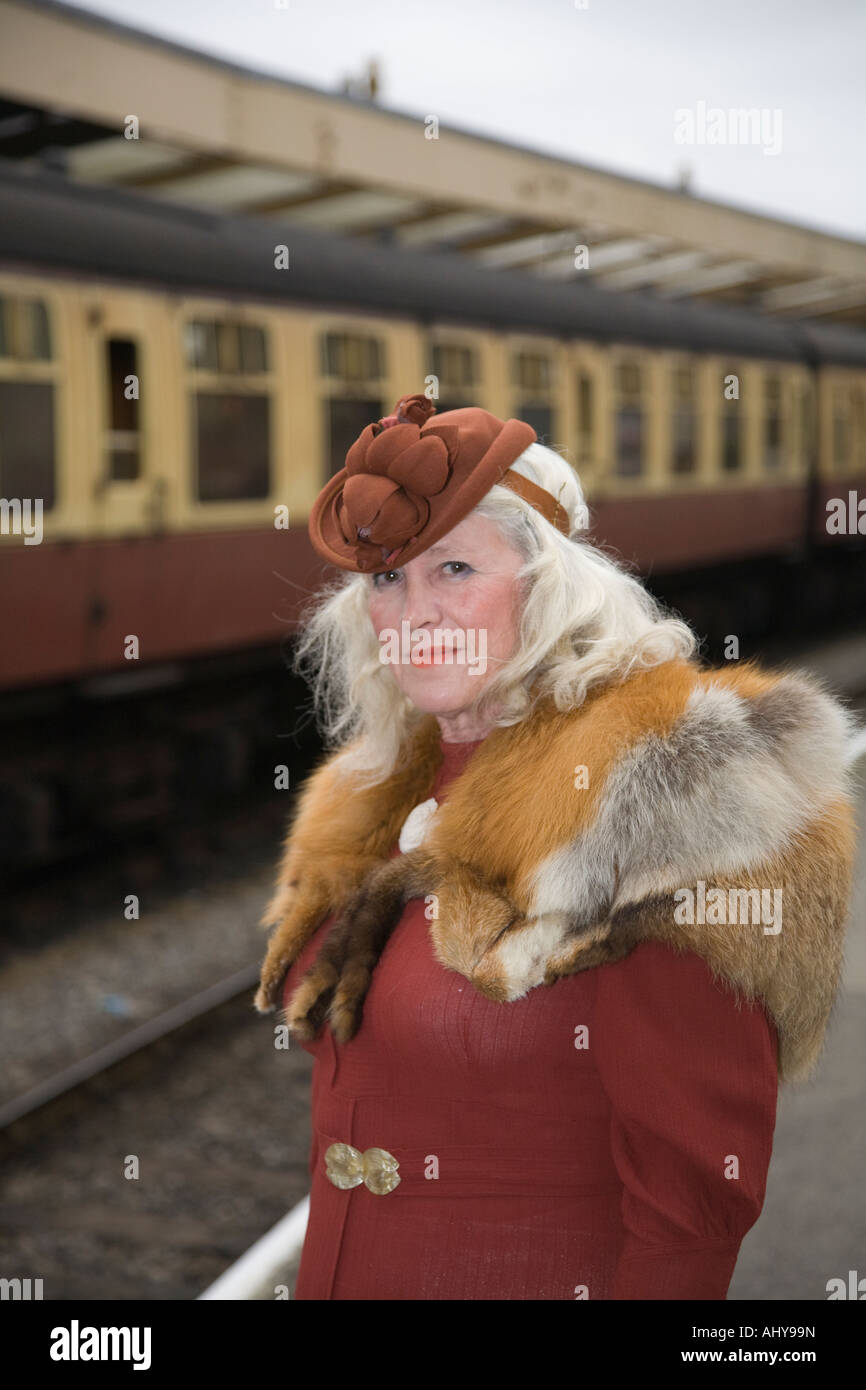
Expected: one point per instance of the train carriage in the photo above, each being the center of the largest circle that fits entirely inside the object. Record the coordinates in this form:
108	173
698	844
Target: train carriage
172	401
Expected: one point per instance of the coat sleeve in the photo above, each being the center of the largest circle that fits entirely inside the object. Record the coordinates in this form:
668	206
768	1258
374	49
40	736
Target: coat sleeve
691	1075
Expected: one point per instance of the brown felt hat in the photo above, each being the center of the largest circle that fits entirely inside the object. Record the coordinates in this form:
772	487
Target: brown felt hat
409	479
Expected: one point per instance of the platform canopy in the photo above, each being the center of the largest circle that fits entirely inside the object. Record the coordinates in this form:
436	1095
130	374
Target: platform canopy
216	135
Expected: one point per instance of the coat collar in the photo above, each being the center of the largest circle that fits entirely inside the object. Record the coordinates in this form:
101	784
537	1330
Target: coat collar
574	835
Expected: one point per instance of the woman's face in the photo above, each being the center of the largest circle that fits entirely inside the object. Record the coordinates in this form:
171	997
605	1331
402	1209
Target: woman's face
458	597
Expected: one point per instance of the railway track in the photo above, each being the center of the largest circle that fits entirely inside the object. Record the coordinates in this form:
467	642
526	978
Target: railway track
145	1170
155	1030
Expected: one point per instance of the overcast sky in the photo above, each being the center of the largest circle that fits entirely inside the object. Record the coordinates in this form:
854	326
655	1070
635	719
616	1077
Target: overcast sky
600	84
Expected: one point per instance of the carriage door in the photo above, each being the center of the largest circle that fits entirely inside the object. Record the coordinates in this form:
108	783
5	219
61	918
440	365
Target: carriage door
127	498
129	462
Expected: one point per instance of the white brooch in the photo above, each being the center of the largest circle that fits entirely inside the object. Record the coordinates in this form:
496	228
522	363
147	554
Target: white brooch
416	825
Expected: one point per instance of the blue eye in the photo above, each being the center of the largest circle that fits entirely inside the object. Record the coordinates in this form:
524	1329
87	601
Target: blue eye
463	567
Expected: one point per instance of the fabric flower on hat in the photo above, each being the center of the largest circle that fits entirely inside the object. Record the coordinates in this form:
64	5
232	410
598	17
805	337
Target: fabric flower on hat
393	468
409	480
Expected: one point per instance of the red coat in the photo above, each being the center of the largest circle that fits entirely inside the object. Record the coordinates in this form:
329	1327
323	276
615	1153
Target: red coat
606	1137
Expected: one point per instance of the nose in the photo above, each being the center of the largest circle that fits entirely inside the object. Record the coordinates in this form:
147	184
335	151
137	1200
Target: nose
421	606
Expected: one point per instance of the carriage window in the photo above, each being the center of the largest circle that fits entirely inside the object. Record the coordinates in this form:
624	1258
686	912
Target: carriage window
253	350
841	430
772	424
456	367
122	434
36	337
628	379
223	346
230	445
344	421
228	348
585	416
731	424
629	436
352	357
24	329
684	423
230	423
532	371
732	454
629	441
27	447
27	431
201	346
532	374
807	422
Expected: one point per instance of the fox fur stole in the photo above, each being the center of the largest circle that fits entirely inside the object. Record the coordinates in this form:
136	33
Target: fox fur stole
710	809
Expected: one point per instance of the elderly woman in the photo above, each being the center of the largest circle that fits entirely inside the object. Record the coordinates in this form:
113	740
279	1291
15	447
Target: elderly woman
559	908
